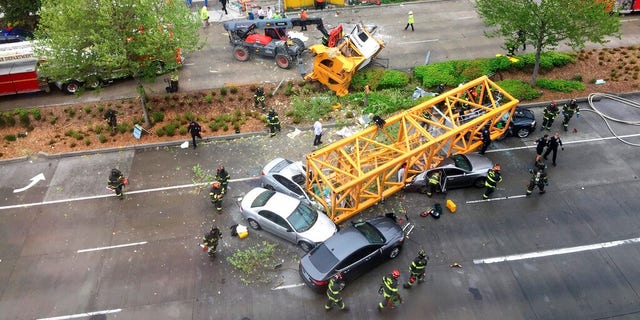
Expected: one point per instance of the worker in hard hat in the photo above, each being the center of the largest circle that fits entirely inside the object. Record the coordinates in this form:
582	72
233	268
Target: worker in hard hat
417	269
410	21
334	297
389	290
216	195
433	183
493	177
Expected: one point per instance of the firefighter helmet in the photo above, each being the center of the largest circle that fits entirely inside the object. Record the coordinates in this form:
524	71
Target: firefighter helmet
421	253
553	103
395	273
338	276
216	184
496	167
220	168
574	101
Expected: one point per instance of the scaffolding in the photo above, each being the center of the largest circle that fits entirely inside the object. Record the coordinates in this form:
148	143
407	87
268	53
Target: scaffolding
359	171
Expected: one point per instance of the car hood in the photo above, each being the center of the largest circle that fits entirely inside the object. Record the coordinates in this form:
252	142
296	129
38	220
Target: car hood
321	230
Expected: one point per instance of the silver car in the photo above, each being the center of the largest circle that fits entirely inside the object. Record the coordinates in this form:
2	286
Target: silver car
286	217
457	171
288	177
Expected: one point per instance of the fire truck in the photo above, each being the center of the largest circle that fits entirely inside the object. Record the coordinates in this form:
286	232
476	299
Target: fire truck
19	70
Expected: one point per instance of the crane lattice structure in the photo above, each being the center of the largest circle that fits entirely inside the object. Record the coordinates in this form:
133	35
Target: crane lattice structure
352	174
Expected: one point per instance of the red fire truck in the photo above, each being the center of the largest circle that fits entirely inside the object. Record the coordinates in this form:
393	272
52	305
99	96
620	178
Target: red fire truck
19	70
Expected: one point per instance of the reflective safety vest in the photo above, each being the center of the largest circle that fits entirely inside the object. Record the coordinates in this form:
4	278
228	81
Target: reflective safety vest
493	177
333	290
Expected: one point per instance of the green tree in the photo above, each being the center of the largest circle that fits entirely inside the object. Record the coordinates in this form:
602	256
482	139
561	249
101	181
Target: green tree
18	11
92	39
544	24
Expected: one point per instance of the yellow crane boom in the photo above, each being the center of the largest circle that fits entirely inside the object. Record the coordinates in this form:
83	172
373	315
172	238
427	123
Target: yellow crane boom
352	174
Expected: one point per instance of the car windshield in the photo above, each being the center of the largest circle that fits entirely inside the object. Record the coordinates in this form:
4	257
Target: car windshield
302	218
461	162
262	198
372	234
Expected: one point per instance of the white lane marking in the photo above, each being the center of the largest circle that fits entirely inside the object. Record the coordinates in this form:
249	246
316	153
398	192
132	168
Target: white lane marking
112	247
26	205
554	252
288	286
464	18
420	41
497	199
82	315
33	204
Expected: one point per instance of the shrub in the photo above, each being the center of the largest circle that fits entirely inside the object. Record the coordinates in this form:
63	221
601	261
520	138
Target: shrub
560	85
170	129
99	107
72	145
87	109
214	126
208	98
10	137
25	121
223	91
183	130
87	141
233	90
157	116
189	116
369	77
519	89
36	114
102	138
393	79
160	132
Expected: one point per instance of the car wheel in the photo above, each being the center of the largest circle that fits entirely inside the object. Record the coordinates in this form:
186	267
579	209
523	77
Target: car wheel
479	183
71	87
270	187
241	53
394	252
254	224
523	132
305	246
283	61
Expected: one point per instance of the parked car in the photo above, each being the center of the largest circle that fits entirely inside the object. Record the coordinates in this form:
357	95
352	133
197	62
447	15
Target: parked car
457	171
353	251
522	123
11	38
286	217
288	177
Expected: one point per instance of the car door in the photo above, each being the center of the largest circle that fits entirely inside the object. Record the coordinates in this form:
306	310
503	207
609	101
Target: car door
276	225
454	178
360	261
293	189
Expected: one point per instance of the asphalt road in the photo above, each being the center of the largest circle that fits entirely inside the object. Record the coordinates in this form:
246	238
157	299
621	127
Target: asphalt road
69	249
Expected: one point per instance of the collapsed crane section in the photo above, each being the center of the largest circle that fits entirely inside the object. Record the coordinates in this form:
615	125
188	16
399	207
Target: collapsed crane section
352	174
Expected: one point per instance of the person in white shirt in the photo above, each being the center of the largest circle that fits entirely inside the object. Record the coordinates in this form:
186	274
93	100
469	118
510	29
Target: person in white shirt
269	13
317	130
261	13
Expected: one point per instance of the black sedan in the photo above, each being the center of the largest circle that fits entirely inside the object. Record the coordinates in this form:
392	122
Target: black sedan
522	124
352	251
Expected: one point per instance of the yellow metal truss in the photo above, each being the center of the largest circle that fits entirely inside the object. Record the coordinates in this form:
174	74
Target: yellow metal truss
352	174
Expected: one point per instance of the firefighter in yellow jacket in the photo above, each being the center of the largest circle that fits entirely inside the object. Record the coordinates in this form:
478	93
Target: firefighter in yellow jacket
334	296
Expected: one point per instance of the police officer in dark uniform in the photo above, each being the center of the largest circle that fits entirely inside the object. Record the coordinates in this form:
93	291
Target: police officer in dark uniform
553	144
194	128
486	138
